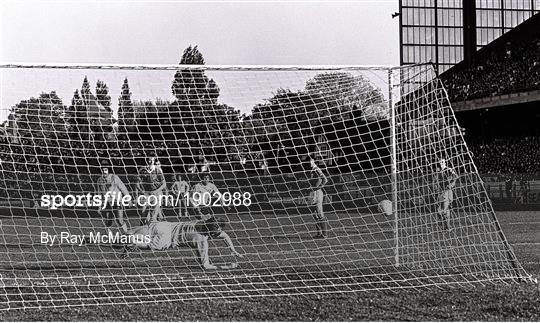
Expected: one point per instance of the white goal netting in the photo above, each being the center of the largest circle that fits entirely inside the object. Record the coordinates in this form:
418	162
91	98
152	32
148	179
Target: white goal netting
268	181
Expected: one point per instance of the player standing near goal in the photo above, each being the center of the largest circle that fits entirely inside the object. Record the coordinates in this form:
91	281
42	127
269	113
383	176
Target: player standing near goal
139	190
446	181
317	197
111	188
153	183
179	188
195	234
201	197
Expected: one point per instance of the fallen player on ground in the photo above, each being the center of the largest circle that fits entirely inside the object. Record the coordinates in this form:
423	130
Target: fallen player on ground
195	234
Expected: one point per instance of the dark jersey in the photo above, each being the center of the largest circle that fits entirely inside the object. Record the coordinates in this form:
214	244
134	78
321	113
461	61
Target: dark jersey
151	180
318	179
446	179
111	183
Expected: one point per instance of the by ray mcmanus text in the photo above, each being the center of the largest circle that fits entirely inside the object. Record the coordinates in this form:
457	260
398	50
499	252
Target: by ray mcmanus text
69	238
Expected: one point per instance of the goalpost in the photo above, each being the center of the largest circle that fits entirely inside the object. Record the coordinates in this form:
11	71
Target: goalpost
390	217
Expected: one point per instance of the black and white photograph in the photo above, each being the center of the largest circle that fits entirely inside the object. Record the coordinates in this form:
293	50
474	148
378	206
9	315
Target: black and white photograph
269	160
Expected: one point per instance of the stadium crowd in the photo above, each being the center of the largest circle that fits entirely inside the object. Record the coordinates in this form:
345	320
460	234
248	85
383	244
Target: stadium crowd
507	155
513	68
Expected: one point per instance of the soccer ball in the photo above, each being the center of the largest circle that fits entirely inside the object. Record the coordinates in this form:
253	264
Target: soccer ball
385	207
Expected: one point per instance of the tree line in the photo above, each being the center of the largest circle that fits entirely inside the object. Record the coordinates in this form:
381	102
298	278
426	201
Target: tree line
345	110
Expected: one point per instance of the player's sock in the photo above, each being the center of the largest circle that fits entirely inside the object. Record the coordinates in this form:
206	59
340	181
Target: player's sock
448	224
445	223
441	219
317	229
323	228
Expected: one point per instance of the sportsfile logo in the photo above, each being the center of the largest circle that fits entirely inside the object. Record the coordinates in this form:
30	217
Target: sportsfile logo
100	201
113	199
92	238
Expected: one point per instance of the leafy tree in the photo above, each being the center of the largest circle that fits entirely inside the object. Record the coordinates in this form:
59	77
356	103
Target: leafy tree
102	95
77	120
85	90
76	101
192	56
286	126
41	117
197	119
192	86
126	117
349	92
88	118
40	124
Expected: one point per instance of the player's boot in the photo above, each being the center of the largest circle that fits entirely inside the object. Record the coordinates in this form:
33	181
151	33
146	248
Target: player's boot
209	266
239	255
127	250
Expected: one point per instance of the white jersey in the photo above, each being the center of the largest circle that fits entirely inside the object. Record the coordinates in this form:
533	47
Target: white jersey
180	187
113	185
206	192
165	235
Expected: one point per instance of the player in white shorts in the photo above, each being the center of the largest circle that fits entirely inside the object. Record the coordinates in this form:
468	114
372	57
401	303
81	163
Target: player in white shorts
317	198
139	190
446	182
179	189
153	183
204	192
111	187
195	234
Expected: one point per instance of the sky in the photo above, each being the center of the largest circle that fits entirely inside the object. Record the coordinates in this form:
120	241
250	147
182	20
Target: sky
157	32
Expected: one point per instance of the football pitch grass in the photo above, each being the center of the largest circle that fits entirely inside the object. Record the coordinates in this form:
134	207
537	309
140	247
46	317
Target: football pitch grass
451	302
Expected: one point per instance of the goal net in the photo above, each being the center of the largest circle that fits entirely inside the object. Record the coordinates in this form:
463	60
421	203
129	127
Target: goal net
129	184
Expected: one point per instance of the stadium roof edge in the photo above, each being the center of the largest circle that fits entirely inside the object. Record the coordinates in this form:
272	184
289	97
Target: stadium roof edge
205	67
6	65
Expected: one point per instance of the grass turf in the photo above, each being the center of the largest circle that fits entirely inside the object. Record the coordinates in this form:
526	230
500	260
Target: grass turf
470	303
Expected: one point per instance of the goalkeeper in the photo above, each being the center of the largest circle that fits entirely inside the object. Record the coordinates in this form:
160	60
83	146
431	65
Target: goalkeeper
317	198
195	234
446	182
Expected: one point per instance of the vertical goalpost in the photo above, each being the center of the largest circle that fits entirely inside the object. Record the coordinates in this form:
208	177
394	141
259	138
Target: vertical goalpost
394	169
